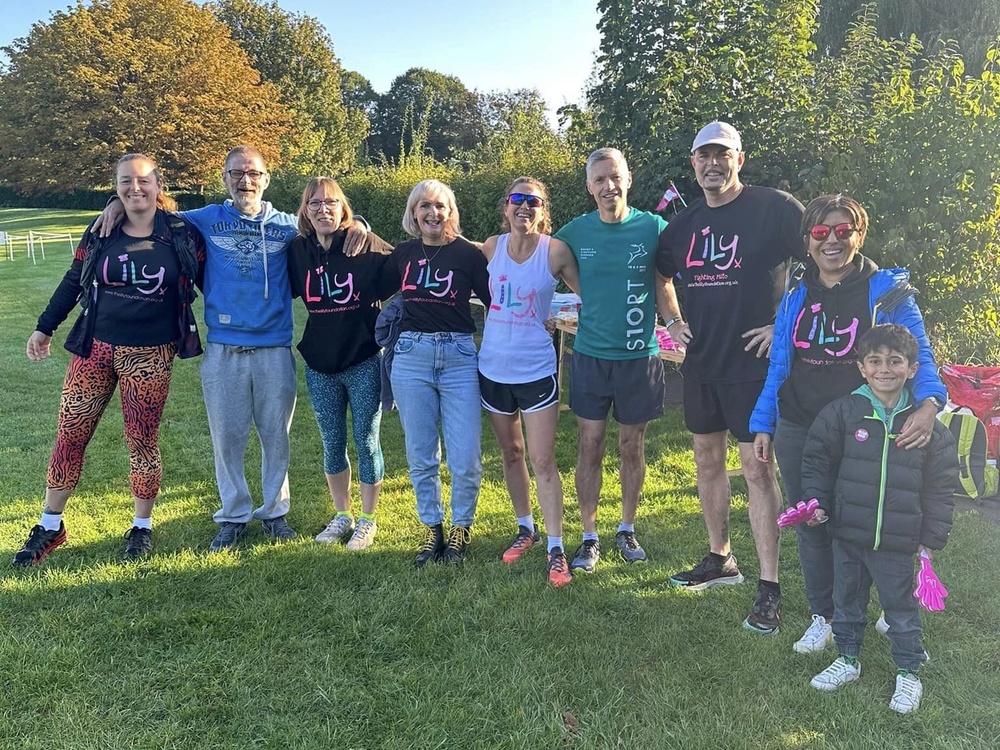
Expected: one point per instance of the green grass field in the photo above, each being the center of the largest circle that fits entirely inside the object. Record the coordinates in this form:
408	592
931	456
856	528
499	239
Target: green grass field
302	645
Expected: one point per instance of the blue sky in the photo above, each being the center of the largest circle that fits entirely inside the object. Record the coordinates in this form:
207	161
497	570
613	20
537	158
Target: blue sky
545	44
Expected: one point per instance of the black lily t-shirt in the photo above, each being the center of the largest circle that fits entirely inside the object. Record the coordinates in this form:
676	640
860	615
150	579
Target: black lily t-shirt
437	283
137	292
732	261
824	338
342	298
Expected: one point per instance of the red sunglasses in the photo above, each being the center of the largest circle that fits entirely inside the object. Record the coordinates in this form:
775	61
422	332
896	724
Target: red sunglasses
842	231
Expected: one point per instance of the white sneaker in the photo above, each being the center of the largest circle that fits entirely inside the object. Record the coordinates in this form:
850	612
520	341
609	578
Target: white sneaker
818	636
908	692
363	536
881	625
836	675
338	530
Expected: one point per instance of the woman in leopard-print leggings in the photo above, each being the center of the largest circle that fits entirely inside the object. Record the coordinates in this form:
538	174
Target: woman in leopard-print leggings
135	289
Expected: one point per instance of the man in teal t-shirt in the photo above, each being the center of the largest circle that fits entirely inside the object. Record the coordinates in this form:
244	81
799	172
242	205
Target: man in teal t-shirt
616	365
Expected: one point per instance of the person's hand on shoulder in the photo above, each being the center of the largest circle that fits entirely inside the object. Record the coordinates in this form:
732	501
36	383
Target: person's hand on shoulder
109	218
354	241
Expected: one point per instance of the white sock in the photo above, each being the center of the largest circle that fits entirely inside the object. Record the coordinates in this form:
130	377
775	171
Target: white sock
527	522
143	523
626	527
590	536
51	521
554	541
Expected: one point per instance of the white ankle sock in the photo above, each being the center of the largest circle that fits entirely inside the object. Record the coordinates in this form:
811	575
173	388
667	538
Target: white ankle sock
51	521
143	523
554	541
527	522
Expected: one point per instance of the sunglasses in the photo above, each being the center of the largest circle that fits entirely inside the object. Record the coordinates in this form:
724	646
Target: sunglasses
842	231
519	199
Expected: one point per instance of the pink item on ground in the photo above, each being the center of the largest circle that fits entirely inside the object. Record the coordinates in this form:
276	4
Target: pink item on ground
797	514
930	592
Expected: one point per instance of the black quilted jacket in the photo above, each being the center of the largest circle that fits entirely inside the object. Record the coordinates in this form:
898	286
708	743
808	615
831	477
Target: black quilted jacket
876	494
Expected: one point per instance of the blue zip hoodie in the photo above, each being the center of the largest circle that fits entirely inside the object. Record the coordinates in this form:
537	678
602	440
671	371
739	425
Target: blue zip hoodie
882	286
248	300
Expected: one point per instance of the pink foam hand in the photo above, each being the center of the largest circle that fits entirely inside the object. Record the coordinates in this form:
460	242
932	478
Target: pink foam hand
930	592
797	514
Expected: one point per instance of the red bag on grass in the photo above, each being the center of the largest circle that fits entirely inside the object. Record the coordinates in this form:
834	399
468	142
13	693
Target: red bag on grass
978	389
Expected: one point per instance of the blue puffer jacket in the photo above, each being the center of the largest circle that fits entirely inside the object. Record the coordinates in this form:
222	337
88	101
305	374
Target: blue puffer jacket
890	298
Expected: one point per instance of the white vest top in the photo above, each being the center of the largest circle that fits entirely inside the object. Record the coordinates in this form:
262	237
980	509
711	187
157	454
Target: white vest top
516	348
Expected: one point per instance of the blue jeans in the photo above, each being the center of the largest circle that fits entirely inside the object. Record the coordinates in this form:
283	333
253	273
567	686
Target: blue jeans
435	380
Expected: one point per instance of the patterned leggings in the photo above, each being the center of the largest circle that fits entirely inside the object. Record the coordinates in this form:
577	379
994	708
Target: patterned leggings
143	375
360	387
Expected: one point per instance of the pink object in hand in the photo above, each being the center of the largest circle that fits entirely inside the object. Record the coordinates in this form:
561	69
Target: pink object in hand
797	514
930	592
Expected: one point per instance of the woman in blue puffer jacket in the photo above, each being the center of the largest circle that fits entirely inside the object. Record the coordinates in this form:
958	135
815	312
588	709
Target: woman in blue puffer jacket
840	295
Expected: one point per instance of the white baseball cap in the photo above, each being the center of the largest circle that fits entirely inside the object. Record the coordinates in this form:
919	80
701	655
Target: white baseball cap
721	133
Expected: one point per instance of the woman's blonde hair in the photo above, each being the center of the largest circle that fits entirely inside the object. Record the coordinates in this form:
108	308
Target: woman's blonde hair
436	189
328	185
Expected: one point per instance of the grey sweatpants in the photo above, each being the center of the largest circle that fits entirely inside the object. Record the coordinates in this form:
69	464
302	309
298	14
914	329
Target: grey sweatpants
244	387
855	568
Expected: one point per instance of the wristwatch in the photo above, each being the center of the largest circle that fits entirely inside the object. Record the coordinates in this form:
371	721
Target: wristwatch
938	403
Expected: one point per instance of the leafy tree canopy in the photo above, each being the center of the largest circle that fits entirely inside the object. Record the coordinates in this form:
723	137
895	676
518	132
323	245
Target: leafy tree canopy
117	76
420	99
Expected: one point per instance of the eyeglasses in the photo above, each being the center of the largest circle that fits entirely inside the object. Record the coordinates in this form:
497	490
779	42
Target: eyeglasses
330	203
842	231
237	174
519	199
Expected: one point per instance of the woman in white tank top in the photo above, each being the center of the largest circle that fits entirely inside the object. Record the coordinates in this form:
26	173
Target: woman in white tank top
517	363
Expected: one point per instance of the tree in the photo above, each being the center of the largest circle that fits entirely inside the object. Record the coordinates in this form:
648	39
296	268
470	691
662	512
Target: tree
422	98
934	197
295	53
98	81
520	141
974	24
664	70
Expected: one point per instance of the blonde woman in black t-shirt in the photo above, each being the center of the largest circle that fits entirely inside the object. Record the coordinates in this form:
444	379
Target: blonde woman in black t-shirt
435	377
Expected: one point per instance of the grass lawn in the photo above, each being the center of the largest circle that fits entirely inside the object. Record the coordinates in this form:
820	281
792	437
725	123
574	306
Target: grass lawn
301	645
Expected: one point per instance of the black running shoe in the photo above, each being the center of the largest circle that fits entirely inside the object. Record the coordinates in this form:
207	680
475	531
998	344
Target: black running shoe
765	616
713	570
432	547
40	543
458	541
140	543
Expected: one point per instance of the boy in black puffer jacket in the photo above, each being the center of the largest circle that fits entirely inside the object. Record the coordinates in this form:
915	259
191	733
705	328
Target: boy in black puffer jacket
884	505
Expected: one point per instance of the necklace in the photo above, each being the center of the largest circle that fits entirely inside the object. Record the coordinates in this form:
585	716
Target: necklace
428	258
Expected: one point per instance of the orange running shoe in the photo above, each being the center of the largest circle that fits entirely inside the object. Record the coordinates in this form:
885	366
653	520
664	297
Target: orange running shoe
526	539
558	568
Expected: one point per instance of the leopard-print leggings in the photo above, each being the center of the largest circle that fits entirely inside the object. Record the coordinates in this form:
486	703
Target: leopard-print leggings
143	376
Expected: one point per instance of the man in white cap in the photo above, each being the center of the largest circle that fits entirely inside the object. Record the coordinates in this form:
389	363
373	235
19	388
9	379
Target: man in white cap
731	254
